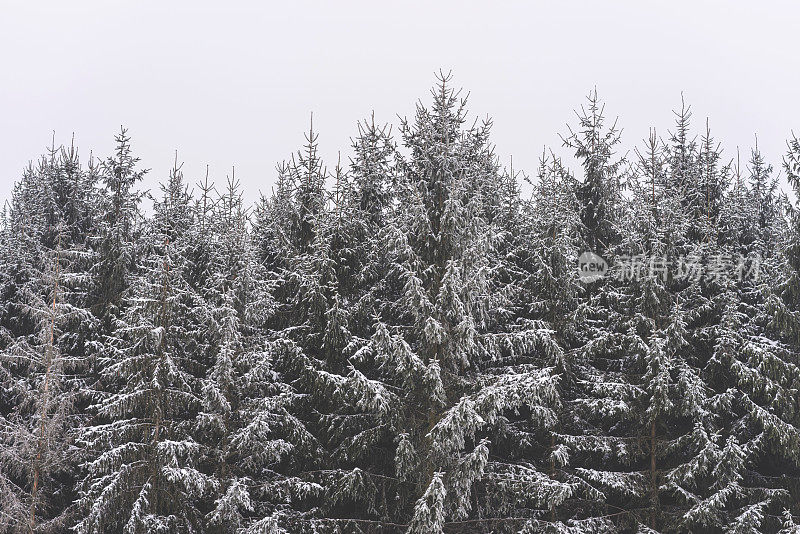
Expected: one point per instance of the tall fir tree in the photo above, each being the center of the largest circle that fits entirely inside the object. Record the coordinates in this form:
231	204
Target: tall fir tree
116	239
44	341
142	476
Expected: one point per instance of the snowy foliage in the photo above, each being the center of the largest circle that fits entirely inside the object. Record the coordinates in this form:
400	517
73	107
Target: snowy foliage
402	343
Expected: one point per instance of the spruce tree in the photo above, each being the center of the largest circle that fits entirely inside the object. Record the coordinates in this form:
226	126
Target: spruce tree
43	346
600	409
443	350
142	476
118	232
783	304
245	420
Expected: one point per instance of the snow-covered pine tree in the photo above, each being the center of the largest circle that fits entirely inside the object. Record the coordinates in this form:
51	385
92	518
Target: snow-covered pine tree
355	420
142	475
676	403
717	496
687	448
42	346
600	411
225	239
405	373
760	366
784	303
116	237
371	169
655	331
245	420
308	239
763	199
534	286
439	354
683	161
705	192
35	433
783	317
598	193
709	443
554	243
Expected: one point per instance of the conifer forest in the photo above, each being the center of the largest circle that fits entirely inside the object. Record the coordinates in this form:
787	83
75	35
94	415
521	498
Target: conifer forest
415	339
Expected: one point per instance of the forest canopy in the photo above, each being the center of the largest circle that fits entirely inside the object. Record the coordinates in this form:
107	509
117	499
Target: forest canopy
409	342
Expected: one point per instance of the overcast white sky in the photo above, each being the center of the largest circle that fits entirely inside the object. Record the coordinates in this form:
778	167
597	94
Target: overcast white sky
234	85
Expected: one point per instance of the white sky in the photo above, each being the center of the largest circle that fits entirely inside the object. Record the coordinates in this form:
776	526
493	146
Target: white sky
235	85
